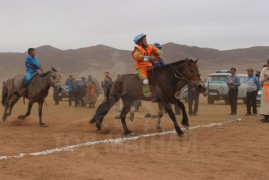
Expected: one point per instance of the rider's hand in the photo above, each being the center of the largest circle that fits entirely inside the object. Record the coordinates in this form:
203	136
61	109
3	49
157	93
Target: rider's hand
41	69
152	58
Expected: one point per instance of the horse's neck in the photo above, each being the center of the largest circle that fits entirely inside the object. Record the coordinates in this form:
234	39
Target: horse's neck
43	84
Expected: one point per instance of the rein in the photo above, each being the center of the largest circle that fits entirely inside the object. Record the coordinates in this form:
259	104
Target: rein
182	76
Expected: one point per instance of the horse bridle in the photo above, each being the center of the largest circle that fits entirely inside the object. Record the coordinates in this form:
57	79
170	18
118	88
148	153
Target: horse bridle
181	76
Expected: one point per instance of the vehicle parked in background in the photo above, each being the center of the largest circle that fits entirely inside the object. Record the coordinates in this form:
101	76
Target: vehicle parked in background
217	88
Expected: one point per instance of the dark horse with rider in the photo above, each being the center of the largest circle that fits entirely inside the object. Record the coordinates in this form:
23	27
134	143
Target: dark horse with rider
161	84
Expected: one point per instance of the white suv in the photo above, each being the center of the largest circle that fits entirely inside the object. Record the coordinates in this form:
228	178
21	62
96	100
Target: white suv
217	88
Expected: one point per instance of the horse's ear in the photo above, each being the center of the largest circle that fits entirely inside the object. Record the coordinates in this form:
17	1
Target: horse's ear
53	69
196	61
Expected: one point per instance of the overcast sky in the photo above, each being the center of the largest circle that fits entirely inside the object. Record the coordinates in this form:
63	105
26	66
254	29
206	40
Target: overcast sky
71	24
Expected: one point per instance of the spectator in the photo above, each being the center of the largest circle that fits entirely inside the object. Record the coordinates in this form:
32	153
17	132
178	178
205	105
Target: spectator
91	96
56	96
264	79
77	93
253	87
106	83
193	98
70	87
233	82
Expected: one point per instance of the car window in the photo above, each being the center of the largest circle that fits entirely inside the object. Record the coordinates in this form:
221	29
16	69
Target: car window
217	78
243	80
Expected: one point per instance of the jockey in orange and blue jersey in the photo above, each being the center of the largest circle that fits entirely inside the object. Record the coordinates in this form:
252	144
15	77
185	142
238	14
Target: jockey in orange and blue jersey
143	54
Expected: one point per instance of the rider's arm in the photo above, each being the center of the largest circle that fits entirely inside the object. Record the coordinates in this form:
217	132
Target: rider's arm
33	62
157	52
138	56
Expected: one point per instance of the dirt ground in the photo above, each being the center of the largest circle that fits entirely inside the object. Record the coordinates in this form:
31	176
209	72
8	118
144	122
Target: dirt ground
238	150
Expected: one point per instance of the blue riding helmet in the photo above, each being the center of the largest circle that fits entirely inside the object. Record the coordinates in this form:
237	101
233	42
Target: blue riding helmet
139	37
157	45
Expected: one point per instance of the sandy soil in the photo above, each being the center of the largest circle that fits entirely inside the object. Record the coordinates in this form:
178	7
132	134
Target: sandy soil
239	150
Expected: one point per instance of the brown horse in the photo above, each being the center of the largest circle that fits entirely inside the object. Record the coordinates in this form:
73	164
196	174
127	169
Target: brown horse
37	91
164	83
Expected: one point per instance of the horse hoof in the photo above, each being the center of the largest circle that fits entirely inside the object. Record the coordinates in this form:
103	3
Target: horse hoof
128	133
160	130
117	117
92	121
21	117
43	125
4	118
186	126
181	135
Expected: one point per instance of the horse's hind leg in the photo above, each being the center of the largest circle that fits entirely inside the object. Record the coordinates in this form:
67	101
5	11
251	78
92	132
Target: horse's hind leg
123	115
102	110
160	115
30	105
6	107
14	100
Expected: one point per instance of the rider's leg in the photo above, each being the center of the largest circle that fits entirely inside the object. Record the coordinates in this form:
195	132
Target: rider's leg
143	76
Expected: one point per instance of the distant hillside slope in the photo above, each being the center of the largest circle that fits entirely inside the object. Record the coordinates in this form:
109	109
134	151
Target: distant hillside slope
97	59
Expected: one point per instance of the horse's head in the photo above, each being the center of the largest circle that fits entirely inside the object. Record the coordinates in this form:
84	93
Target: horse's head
192	74
55	79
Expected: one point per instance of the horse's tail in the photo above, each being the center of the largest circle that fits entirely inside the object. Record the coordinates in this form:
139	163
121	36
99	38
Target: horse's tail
4	97
110	101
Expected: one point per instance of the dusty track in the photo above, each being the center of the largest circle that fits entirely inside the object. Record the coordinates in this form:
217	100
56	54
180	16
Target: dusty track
239	150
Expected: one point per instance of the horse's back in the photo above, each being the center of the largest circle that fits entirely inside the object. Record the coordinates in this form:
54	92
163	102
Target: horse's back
15	83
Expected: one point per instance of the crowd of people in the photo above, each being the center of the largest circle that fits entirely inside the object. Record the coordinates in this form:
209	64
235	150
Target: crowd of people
83	92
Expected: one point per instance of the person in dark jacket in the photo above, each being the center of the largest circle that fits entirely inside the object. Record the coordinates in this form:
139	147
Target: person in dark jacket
70	87
56	96
233	83
193	99
106	83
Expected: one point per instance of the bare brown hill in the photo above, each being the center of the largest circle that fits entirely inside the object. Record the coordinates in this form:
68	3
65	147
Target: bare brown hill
97	59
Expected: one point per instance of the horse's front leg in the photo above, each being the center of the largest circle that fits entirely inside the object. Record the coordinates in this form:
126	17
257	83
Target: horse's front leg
169	110
185	120
30	105
40	108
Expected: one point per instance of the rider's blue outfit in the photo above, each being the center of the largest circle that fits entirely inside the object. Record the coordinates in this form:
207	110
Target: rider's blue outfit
32	65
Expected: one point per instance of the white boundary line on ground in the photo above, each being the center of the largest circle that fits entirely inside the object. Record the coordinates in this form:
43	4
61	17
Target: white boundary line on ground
105	141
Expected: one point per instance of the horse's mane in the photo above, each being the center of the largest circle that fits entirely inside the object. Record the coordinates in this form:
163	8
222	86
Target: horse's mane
44	74
175	64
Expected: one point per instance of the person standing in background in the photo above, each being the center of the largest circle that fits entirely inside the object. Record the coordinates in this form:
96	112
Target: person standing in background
83	91
70	87
56	95
233	82
106	84
193	97
264	79
253	87
91	97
